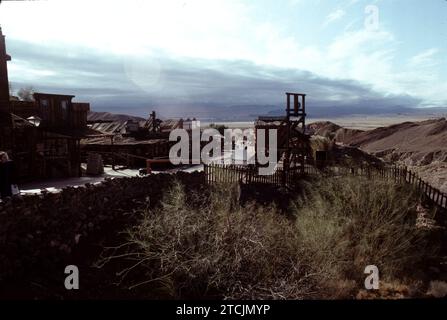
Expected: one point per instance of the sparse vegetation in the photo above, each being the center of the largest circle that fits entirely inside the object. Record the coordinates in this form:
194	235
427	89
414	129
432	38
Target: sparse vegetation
348	223
209	246
321	143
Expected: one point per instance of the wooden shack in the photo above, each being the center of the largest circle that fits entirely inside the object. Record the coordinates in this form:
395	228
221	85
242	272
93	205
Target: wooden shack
47	144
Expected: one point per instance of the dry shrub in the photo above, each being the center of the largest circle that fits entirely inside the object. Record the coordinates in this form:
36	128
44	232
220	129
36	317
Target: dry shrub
216	250
348	223
438	289
219	249
320	143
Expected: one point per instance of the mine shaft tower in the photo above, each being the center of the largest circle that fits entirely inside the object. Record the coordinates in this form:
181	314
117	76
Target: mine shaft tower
293	142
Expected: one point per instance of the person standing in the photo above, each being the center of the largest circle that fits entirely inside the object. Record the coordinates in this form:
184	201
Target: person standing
6	175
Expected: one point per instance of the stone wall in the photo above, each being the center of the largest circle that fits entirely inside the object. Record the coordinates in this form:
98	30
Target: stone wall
41	231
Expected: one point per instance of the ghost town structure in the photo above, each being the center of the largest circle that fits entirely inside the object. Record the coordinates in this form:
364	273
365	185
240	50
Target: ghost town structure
50	136
133	143
42	136
293	150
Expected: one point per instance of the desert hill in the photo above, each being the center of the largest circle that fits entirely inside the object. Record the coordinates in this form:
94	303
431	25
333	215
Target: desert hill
107	116
419	145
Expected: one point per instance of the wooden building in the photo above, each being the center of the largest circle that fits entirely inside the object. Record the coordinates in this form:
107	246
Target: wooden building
5	115
42	136
132	143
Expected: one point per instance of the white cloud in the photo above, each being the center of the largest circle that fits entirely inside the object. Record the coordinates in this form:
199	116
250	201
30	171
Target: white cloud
334	16
425	58
220	29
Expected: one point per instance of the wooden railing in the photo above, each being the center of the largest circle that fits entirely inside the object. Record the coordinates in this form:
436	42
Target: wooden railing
399	175
222	173
249	174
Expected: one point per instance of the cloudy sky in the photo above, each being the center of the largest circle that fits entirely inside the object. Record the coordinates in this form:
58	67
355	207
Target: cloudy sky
130	56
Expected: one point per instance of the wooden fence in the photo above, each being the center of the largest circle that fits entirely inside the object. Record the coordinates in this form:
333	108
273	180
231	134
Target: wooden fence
249	174
398	174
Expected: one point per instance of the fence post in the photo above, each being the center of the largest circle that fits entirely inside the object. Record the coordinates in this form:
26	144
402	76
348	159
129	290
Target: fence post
249	175
437	196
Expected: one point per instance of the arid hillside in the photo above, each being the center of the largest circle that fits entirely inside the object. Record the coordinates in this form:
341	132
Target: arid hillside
420	145
107	116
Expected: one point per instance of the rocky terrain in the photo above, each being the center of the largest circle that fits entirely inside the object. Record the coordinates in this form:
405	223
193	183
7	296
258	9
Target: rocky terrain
422	146
107	116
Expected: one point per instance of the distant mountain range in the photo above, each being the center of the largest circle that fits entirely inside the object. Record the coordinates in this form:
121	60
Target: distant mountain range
251	112
342	111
